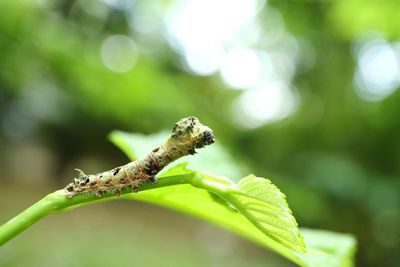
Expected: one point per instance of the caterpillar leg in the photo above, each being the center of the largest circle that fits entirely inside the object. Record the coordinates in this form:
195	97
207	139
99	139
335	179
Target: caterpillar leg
117	192
135	185
98	193
135	188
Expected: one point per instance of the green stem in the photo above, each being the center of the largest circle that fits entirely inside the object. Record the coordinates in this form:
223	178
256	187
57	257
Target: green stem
58	201
25	219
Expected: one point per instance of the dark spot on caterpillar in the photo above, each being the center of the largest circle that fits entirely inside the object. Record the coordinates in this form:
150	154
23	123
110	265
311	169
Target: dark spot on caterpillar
93	183
175	126
155	165
156	149
190	127
116	171
191	151
152	166
153	179
100	176
208	138
70	188
85	180
147	168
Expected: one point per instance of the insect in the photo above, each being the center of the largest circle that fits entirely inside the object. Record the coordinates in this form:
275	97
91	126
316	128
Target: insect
187	135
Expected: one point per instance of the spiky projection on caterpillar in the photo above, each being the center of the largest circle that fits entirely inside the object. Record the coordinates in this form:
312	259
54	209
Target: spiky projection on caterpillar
187	135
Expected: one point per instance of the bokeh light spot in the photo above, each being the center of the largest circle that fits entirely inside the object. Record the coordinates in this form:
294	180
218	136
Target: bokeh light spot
205	61
241	68
267	104
119	53
378	71
201	34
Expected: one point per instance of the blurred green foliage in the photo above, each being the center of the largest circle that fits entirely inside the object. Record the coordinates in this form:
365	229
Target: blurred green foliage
336	157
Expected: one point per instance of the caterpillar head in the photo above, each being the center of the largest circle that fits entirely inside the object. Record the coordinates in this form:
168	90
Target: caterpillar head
191	134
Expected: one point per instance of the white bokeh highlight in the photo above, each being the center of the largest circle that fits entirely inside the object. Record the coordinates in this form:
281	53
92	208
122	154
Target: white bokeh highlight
204	60
250	49
378	70
242	68
119	53
200	33
269	103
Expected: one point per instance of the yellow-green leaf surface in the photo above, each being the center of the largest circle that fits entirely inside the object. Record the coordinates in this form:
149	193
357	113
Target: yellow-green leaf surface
254	208
266	207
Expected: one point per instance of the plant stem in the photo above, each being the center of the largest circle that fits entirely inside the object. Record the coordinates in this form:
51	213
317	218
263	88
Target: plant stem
25	219
58	201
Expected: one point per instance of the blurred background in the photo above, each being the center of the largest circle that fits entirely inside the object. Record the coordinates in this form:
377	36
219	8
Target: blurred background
302	92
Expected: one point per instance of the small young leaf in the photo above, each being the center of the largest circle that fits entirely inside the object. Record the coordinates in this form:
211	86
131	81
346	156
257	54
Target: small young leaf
266	207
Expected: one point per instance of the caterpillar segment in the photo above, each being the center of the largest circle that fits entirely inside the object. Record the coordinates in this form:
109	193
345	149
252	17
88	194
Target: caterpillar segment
187	135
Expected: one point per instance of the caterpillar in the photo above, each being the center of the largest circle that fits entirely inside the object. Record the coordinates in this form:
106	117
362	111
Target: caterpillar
187	135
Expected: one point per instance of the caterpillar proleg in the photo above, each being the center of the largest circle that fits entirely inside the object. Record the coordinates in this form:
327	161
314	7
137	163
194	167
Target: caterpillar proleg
187	135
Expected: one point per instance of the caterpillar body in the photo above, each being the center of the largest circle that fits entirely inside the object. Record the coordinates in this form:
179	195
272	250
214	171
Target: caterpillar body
187	135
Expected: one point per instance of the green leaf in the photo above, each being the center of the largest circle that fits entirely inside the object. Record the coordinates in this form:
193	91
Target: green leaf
328	249
266	207
253	208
